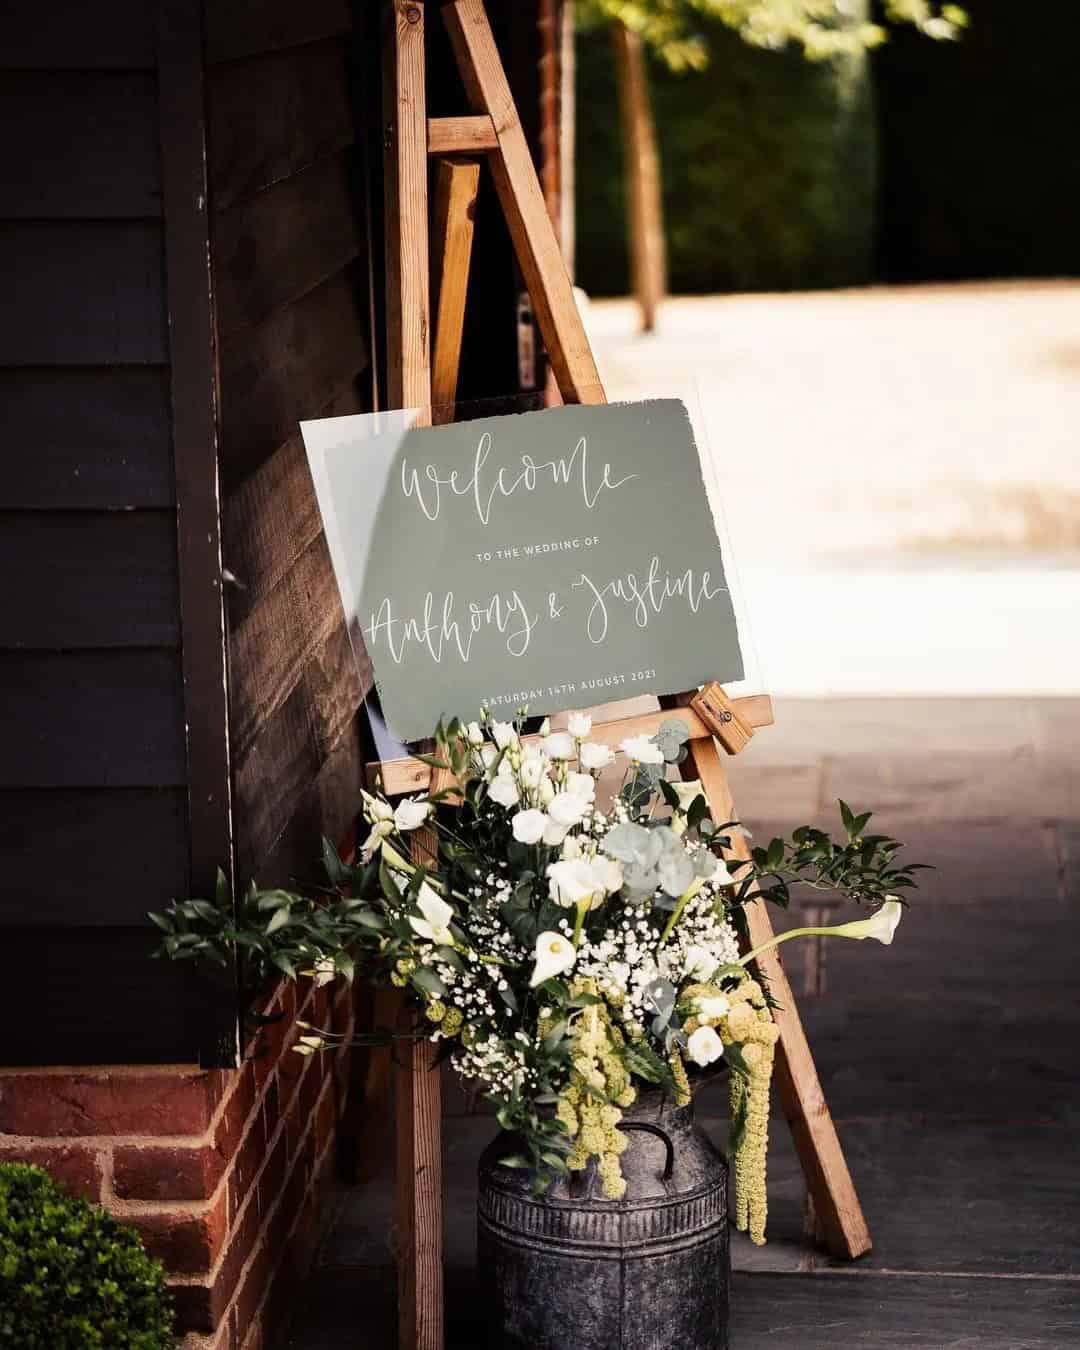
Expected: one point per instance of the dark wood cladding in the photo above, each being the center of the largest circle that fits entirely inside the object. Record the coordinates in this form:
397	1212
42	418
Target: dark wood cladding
77	561
74	35
86	439
288	253
91	719
82	293
96	132
99	844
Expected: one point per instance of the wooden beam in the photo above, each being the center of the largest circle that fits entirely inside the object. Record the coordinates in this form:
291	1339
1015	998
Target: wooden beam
408	357
455	209
461	135
836	1205
418	1116
412	775
523	204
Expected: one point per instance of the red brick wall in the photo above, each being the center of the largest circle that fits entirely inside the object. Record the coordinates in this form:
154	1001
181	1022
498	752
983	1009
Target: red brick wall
225	1173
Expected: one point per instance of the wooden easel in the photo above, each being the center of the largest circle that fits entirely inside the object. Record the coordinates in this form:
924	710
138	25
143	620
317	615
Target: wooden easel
423	375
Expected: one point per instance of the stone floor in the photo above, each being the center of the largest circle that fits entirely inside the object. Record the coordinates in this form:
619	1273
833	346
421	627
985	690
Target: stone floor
950	1060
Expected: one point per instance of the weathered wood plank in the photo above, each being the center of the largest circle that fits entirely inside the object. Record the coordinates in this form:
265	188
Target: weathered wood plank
288	745
287	631
91	858
89	579
286	370
461	135
82	293
147	1012
283	242
456	185
91	719
271	116
78	146
86	439
72	35
238	28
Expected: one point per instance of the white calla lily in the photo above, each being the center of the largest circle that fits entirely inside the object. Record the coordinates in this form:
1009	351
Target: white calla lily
435	924
881	925
376	808
554	957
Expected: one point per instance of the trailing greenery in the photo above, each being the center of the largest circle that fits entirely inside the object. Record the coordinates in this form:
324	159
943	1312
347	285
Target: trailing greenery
71	1276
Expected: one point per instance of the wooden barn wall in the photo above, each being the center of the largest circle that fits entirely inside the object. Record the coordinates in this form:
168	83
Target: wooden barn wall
289	269
93	818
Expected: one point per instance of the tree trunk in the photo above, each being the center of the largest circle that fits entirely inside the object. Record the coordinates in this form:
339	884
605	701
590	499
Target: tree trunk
641	162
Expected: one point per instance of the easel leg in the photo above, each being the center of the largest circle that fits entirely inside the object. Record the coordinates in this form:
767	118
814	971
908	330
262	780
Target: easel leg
451	252
828	1180
418	1112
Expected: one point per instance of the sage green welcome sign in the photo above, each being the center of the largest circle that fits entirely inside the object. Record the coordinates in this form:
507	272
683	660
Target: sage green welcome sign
556	559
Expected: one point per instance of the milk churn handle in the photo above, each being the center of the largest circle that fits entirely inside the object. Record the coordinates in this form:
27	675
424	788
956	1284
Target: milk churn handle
669	1162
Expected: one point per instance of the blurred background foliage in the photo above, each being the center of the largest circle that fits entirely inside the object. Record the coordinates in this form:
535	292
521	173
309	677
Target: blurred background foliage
920	160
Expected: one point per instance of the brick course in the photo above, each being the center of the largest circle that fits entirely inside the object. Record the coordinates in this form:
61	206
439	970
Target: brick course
225	1173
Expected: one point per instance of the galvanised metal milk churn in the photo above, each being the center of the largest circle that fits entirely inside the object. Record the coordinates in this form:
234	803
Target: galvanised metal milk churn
571	1270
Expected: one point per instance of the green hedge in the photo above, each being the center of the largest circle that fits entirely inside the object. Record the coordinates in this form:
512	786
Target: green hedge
768	165
71	1276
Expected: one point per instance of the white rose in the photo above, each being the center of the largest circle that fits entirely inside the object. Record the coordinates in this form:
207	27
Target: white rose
567	808
504	734
554	956
411	813
595	756
579	725
699	963
642	750
572	882
559	745
529	826
705	1046
581	785
713	1008
473	734
503	790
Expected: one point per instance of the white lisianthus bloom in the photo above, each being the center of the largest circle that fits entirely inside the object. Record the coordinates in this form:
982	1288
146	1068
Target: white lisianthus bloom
504	790
531	772
571	846
687	791
554	956
559	745
572	882
504	734
581	785
555	834
435	925
324	971
713	1008
705	1046
376	808
595	757
411	813
699	963
642	750
567	808
545	727
488	754
579	725
529	826
546	792
473	734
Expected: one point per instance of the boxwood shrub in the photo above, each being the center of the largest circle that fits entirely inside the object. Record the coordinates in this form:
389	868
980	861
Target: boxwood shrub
71	1276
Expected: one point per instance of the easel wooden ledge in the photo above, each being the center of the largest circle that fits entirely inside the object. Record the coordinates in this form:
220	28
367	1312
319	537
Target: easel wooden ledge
423	375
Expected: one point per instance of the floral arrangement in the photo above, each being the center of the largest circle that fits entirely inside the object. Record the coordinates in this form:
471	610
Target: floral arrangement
561	954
